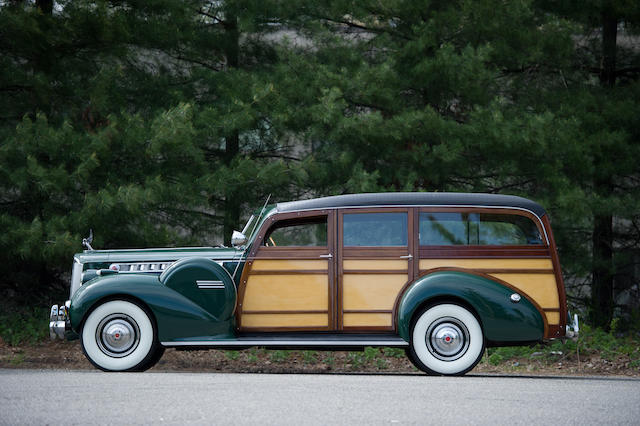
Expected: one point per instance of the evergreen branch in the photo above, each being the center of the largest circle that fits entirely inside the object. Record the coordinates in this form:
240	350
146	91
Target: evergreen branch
195	61
209	15
352	24
365	104
284	157
15	88
188	211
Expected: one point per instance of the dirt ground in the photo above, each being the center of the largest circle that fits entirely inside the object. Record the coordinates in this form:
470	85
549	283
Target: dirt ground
68	355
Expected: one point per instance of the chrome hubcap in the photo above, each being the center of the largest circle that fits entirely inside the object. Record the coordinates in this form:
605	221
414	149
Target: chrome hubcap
447	339
118	335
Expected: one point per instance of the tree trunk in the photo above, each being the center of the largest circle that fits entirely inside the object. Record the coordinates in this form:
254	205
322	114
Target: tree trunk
232	148
602	295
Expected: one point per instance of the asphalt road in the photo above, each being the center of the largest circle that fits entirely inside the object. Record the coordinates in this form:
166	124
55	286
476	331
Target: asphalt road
87	397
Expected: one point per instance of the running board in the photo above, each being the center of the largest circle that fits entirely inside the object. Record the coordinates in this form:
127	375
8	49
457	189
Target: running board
303	341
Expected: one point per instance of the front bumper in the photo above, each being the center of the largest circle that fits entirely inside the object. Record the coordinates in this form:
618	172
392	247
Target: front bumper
59	321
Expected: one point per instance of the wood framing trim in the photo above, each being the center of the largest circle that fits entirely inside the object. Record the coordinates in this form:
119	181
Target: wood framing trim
376	271
555	330
480	274
291	272
367	311
562	297
506	271
483	252
299	253
373	253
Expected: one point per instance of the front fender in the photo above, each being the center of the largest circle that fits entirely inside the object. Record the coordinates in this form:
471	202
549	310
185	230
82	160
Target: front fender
501	319
176	316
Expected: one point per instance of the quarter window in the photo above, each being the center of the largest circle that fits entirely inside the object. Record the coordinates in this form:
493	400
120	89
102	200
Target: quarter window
375	229
441	229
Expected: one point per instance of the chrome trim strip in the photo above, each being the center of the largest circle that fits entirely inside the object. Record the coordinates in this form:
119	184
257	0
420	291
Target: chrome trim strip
213	282
429	205
391	342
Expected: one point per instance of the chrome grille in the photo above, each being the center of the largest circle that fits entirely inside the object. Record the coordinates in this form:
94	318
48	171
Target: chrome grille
137	267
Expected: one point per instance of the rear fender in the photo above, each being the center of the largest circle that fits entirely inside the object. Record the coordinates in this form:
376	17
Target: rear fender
502	320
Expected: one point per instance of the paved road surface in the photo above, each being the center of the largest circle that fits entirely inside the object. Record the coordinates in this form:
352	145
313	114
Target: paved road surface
88	397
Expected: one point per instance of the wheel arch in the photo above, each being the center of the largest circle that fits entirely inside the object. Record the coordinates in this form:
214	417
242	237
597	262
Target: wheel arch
488	299
126	298
175	316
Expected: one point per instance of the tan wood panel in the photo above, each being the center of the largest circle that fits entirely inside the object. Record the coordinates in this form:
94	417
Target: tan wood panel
367	320
285	320
487	263
376	265
289	265
540	287
286	292
553	318
371	291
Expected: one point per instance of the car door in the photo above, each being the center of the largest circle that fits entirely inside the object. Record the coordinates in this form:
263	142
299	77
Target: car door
289	277
376	250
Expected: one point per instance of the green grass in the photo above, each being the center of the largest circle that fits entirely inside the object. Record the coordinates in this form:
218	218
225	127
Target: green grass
20	326
279	355
608	346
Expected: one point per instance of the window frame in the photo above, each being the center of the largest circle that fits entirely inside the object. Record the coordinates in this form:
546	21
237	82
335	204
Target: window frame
515	249
297	221
477	222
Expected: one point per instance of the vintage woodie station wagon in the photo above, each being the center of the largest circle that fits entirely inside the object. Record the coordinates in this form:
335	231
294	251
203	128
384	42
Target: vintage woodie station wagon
443	275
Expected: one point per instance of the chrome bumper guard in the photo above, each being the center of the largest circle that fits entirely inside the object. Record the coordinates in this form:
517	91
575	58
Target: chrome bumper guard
573	329
59	321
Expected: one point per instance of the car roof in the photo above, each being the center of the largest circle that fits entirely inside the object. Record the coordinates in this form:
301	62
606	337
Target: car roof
414	199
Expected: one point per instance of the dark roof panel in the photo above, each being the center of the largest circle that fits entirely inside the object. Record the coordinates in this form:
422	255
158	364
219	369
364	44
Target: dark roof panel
413	199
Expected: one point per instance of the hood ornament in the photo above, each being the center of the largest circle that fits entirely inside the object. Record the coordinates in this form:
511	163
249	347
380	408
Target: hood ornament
86	242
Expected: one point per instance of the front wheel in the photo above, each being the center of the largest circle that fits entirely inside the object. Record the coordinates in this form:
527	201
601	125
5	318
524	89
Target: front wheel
120	336
446	340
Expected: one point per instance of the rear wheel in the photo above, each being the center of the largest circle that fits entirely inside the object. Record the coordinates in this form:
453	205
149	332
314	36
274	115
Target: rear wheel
120	336
446	339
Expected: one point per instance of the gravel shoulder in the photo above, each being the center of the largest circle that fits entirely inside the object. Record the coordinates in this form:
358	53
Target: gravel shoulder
68	355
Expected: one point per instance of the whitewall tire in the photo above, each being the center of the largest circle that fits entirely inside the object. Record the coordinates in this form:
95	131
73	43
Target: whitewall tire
446	339
120	336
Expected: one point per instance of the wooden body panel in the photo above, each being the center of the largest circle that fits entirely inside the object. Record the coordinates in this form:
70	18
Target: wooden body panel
369	319
286	292
370	292
301	320
357	289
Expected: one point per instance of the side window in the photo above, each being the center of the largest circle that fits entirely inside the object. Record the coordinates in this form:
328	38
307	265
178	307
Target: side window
375	229
440	229
310	233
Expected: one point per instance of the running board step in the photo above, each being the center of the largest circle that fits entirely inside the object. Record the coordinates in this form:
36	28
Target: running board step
301	341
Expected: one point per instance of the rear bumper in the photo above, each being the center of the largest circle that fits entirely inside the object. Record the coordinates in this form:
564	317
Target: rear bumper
573	329
59	321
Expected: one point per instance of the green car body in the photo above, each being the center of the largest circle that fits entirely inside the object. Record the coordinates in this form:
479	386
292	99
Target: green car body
192	297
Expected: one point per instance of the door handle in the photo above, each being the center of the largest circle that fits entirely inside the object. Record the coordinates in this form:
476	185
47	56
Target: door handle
406	257
326	256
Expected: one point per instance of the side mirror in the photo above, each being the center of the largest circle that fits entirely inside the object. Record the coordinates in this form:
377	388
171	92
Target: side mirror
238	239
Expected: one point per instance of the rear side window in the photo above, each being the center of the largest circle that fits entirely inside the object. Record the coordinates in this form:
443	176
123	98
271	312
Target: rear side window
375	229
444	229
